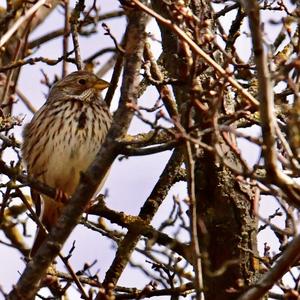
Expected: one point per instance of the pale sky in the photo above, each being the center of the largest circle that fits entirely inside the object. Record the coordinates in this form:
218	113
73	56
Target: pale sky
130	181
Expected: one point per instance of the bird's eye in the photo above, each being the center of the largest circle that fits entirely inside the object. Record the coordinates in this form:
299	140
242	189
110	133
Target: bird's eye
82	81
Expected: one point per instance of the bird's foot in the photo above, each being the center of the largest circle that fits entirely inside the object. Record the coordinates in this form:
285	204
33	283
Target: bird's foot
61	197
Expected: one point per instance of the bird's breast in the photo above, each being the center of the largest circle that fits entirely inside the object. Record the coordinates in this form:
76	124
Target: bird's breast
72	137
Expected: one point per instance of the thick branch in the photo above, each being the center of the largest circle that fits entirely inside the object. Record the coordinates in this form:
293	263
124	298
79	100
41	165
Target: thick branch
28	283
131	222
147	212
265	86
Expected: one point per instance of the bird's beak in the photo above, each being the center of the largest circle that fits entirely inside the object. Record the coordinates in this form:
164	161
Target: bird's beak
101	84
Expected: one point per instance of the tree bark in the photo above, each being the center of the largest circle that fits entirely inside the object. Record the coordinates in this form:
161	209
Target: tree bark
227	230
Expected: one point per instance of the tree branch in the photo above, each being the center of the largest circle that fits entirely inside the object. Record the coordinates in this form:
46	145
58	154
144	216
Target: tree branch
20	21
28	283
147	212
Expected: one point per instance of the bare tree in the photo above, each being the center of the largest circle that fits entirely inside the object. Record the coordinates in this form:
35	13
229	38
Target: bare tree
206	99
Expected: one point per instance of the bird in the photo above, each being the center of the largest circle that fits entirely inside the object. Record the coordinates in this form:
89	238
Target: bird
62	140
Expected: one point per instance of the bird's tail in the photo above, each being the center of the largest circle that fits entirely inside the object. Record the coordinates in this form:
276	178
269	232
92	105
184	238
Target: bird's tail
50	211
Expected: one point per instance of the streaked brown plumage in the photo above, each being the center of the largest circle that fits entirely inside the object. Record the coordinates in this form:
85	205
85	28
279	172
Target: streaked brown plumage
63	138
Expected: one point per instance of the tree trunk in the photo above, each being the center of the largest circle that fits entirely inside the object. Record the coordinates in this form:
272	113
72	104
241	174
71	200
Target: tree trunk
227	230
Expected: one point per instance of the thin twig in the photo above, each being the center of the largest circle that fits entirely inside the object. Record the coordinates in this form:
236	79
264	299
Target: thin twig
163	89
74	277
193	223
26	101
33	60
115	76
74	30
57	33
66	38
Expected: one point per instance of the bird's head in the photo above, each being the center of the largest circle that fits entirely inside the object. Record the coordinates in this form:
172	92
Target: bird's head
80	85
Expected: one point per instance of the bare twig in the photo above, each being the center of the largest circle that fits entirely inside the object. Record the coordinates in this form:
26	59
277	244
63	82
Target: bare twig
34	60
74	31
163	89
59	32
193	223
66	38
26	101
